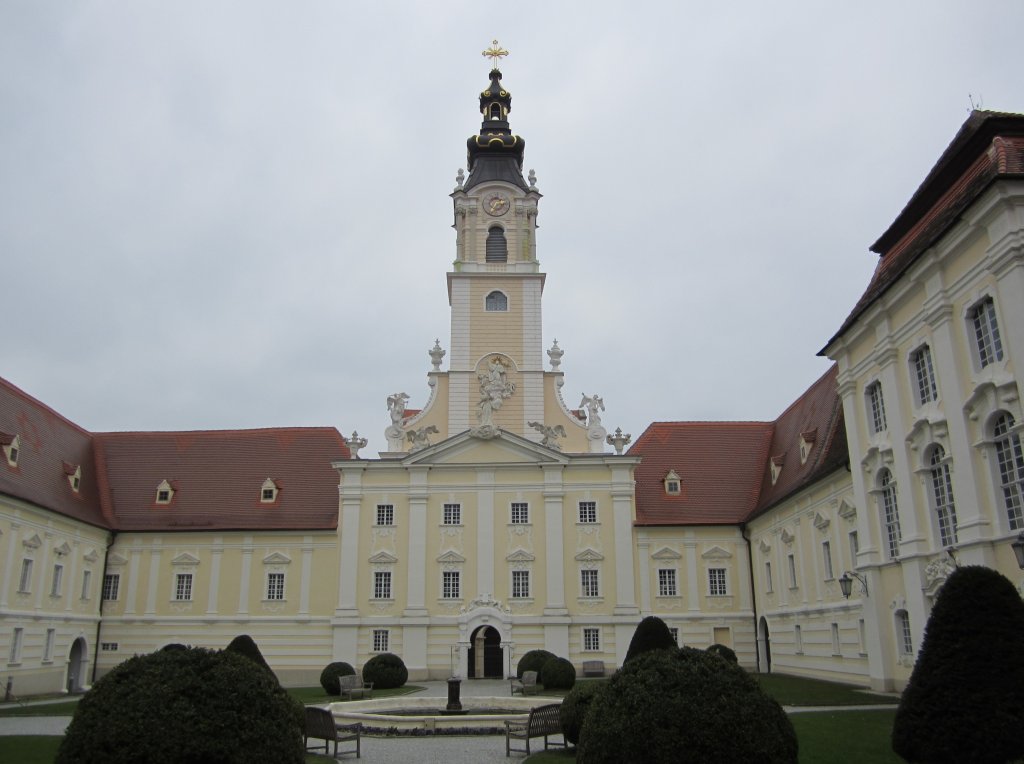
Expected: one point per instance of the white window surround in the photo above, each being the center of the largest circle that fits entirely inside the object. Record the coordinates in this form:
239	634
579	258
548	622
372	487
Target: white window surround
520	584
86	584
275	586
111	587
718	582
590	583
519	513
381	640
941	496
889	510
382	585
673	483
983	329
875	407
451	585
923	375
164	492
57	582
587	512
591	639
16	640
25	581
182	587
904	637
826	559
385	515
496	301
451	514
12	448
1009	468
51	636
269	491
668	585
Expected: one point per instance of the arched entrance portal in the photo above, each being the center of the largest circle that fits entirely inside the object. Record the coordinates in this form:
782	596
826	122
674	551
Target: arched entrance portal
75	681
764	645
485	654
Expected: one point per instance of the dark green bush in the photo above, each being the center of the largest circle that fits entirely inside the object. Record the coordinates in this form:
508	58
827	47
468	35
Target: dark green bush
965	698
185	707
329	676
723	651
684	706
574	708
533	660
650	634
386	671
559	674
245	645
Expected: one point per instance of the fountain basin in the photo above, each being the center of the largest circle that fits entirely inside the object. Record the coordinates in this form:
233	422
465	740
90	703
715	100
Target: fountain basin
400	712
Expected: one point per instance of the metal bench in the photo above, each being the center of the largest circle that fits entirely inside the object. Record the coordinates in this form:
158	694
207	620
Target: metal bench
320	724
542	722
352	685
593	668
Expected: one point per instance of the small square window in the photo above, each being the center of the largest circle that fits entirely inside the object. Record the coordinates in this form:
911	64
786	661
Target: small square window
385	514
453	514
109	647
588	512
591	639
520	513
268	494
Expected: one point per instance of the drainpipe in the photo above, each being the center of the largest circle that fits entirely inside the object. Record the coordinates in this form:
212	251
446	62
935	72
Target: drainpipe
753	593
99	621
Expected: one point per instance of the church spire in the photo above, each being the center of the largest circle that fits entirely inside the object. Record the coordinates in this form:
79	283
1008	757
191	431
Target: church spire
495	153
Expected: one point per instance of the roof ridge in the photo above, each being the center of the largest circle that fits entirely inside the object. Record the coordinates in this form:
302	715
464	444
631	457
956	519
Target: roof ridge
38	403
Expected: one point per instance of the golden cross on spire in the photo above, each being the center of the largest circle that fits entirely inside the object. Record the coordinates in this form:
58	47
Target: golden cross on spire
495	53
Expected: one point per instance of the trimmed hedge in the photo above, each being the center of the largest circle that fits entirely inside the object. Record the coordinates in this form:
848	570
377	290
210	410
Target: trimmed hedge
245	645
533	660
650	634
722	651
559	674
386	671
684	706
183	707
329	676
965	698
574	709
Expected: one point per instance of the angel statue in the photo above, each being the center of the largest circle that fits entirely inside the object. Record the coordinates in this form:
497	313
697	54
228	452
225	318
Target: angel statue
551	434
420	439
593	404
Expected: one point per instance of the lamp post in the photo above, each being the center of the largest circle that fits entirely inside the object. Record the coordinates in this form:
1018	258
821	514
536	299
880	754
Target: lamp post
1018	550
846	583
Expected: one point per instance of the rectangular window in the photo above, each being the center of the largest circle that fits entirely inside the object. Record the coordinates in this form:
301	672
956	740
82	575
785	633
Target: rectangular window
450	585
109	647
16	638
854	548
835	639
905	638
86	584
924	373
520	513
381	640
986	332
674	631
275	586
716	582
792	571
25	582
520	584
798	639
111	586
382	585
58	580
768	577
268	494
183	587
877	407
826	558
591	639
588	511
385	514
453	514
862	637
667	583
51	636
588	583
890	515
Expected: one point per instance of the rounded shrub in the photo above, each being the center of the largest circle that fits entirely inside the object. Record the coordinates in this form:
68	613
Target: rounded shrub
245	645
329	676
182	707
722	651
650	634
684	706
533	660
965	698
574	709
558	673
386	671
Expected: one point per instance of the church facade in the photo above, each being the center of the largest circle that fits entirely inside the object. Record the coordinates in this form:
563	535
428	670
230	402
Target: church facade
502	518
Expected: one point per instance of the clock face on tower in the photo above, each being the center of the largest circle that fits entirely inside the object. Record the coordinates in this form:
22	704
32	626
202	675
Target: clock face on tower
496	204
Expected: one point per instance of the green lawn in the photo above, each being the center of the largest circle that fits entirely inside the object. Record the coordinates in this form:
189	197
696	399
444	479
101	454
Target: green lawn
28	749
64	708
316	696
798	691
861	736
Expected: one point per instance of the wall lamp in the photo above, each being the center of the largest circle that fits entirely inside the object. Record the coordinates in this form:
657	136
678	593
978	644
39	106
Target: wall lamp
1018	550
846	582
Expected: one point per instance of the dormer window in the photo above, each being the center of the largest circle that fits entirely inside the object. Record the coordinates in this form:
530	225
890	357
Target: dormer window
776	467
164	493
74	475
12	446
268	491
673	484
806	444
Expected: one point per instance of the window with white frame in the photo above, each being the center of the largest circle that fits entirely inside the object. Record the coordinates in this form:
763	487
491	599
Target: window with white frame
876	407
275	586
987	343
183	587
768	576
11	448
924	374
674	631
385	514
51	636
591	638
452	514
450	585
520	584
109	647
942	496
791	562
520	513
798	639
58	580
1010	458
496	302
667	583
717	583
589	584
16	638
826	560
854	548
381	640
111	586
835	639
890	513
382	584
86	584
25	581
588	511
903	636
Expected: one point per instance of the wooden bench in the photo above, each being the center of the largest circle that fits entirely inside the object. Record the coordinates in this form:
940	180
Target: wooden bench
353	685
320	724
543	721
593	668
525	686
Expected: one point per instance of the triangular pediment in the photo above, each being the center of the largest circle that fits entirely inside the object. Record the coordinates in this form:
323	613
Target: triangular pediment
276	558
62	550
666	554
185	558
520	555
821	522
383	558
504	448
847	510
91	556
716	553
32	542
451	557
116	559
589	555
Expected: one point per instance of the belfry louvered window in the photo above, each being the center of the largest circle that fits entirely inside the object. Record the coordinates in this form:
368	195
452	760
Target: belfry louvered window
497	247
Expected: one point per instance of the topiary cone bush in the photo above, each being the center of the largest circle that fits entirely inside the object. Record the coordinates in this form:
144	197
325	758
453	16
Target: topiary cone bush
651	634
724	652
329	676
245	645
574	709
185	707
386	671
965	698
559	674
684	706
533	660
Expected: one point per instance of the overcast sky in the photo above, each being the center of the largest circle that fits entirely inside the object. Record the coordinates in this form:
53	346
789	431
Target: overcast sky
236	214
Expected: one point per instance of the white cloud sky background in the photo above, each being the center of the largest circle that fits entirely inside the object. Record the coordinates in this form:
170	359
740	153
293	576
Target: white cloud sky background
236	214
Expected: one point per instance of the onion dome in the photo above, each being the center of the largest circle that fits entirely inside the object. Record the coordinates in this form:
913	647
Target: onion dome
495	154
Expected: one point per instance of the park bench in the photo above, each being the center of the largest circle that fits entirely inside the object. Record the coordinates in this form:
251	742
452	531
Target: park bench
593	668
525	686
353	685
320	724
542	722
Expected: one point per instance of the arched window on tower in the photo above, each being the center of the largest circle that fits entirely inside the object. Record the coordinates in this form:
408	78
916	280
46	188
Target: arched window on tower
495	111
496	302
497	248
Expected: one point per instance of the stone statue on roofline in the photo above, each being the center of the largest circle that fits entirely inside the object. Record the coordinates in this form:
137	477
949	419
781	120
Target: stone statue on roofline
396	410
